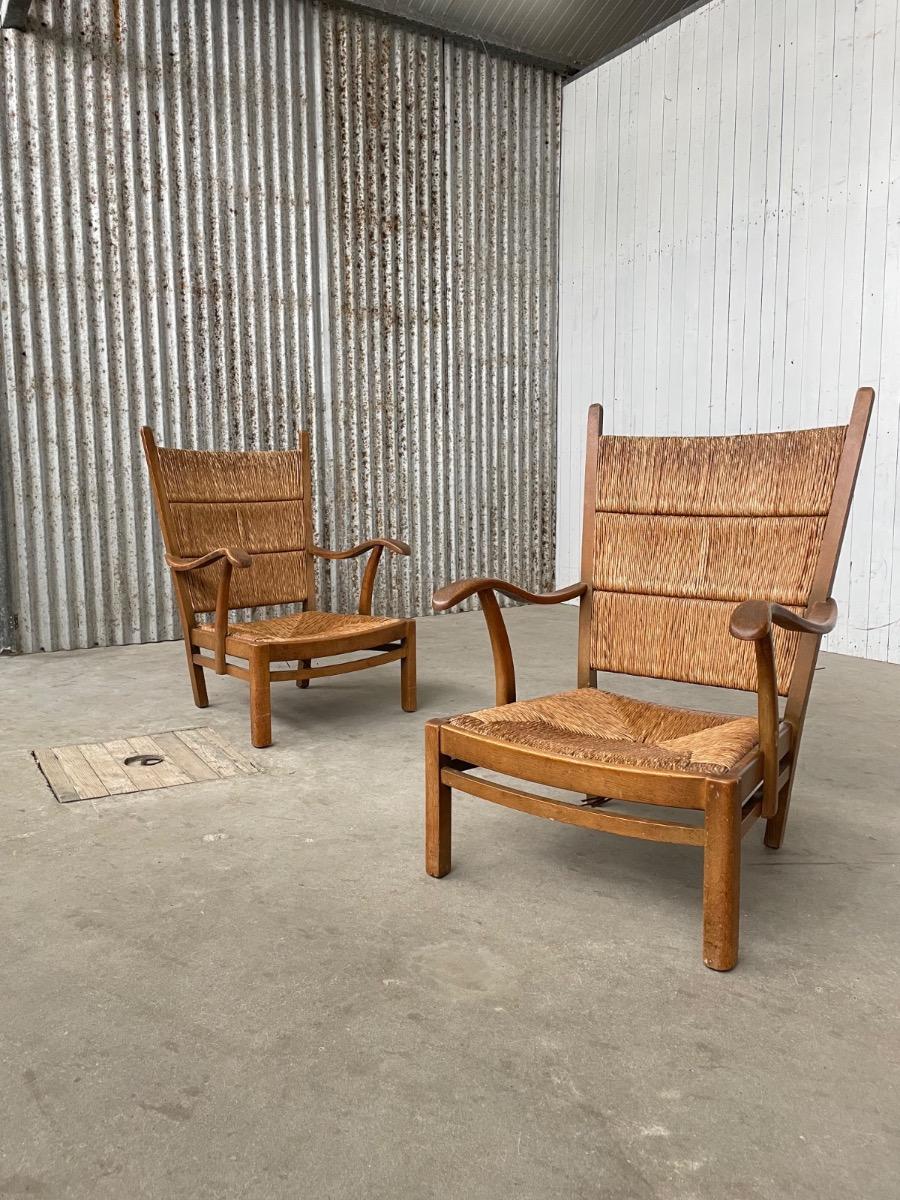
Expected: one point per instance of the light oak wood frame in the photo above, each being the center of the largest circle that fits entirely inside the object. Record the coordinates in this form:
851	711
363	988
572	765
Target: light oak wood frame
759	785
396	642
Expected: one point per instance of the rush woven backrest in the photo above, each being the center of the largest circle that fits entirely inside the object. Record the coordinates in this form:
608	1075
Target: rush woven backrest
255	500
678	530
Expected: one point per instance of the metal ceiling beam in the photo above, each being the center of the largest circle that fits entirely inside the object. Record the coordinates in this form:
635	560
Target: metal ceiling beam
14	14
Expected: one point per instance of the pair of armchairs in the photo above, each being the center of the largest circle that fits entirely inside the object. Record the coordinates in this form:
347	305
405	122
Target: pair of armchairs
706	560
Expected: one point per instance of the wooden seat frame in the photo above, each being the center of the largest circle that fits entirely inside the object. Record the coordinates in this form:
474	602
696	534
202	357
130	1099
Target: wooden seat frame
759	785
389	643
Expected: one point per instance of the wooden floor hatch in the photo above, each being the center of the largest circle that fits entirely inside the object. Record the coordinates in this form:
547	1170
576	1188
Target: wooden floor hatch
93	770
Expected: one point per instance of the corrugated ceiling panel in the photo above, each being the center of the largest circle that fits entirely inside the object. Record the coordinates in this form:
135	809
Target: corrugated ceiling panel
572	33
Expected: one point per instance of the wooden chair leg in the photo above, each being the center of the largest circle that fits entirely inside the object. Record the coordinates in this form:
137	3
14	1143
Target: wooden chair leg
722	884
438	800
198	679
774	835
408	671
303	664
260	701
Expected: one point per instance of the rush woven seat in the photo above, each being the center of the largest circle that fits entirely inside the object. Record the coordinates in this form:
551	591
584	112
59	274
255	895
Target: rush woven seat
591	726
237	527
705	560
313	626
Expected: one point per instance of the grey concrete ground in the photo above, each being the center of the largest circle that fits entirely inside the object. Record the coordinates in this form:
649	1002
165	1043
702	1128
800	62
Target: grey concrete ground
252	989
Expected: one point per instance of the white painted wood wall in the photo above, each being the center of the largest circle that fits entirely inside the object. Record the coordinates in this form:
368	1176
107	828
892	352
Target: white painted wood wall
730	255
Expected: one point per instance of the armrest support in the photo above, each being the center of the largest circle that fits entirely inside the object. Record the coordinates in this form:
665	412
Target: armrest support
752	621
393	544
452	594
229	556
376	546
485	589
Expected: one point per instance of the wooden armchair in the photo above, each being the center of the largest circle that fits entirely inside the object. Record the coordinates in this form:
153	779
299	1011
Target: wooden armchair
704	560
237	528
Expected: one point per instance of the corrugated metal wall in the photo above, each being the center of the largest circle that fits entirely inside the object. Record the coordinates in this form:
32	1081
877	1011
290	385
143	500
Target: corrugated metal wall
231	220
730	256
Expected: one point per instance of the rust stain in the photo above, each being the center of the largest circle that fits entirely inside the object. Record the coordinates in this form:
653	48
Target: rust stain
201	243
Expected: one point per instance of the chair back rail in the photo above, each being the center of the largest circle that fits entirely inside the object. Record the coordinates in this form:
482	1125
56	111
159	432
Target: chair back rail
256	500
679	530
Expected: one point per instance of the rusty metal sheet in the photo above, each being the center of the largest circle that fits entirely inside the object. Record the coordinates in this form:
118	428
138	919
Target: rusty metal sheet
232	221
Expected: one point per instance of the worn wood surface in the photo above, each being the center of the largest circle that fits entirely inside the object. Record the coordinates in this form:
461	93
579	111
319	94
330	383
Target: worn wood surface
207	477
92	770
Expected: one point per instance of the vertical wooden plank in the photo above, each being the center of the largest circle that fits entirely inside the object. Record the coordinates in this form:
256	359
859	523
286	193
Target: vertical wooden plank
811	379
666	229
626	239
84	778
740	221
714	18
605	293
638	320
845	253
223	764
795	413
877	614
727	132
596	169
185	759
774	417
109	770
649	334
144	778
168	773
684	186
762	275
694	187
52	769
237	756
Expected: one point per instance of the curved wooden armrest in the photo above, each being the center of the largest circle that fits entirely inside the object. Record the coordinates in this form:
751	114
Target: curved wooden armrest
754	619
392	544
454	593
233	555
376	546
504	667
229	556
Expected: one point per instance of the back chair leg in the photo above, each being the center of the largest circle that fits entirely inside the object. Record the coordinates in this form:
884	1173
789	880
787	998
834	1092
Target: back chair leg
260	701
722	884
303	665
408	671
198	679
438	800
774	835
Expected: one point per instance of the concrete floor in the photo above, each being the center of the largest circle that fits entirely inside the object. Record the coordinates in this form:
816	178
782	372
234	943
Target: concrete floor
251	989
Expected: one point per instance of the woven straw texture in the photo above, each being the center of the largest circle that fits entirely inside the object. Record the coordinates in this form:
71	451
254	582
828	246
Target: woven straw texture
686	529
599	727
249	499
747	475
306	626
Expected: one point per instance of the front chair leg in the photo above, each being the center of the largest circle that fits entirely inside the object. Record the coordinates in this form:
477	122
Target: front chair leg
721	883
438	799
260	699
408	671
198	679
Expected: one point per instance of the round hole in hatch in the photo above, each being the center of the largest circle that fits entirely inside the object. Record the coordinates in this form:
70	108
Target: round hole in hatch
143	760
